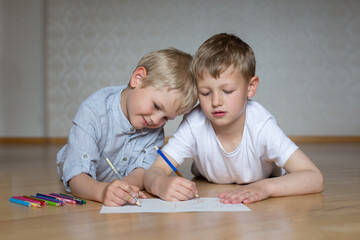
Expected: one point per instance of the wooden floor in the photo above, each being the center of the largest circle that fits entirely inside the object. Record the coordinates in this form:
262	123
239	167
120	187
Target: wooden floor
333	214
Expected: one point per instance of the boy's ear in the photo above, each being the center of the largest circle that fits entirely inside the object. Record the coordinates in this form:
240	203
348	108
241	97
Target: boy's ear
137	77
254	81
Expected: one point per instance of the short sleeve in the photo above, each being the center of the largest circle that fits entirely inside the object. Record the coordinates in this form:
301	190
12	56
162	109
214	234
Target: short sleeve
276	146
182	144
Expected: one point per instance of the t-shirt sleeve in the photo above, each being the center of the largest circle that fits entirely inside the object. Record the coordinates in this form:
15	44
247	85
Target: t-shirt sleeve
182	144
275	145
80	154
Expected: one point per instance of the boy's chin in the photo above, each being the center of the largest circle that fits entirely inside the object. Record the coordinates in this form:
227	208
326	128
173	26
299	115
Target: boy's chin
140	127
136	126
154	127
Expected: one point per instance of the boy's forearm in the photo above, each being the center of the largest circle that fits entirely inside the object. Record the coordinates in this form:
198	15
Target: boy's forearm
136	178
151	180
84	186
296	183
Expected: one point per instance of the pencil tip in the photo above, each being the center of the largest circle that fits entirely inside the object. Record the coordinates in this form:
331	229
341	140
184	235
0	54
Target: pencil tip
137	202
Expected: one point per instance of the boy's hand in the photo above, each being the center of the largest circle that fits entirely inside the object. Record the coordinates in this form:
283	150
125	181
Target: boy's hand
118	193
176	189
245	194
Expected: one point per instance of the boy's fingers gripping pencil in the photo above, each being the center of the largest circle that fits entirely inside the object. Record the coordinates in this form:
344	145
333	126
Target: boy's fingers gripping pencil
137	202
170	164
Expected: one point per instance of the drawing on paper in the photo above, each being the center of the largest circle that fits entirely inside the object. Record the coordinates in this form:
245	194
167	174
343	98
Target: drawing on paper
161	206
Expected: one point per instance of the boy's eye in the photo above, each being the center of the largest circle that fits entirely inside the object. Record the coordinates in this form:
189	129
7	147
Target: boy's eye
205	93
228	91
156	106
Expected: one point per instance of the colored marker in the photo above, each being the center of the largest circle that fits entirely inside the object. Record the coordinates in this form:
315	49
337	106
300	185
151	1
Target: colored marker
49	202
33	202
42	202
83	201
170	164
51	198
21	202
77	201
66	200
45	195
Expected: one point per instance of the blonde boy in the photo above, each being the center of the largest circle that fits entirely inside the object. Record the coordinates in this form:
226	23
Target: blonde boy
232	139
126	122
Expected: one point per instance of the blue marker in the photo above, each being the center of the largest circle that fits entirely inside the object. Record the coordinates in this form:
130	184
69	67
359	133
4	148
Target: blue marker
14	200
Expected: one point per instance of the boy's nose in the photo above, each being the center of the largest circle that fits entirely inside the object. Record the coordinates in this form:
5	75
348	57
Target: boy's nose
156	118
216	99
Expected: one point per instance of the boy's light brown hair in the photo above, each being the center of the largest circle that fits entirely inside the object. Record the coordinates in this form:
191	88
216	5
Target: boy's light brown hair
220	52
170	69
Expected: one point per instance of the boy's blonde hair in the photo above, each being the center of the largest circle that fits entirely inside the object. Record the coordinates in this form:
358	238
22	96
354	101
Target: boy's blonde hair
170	69
220	52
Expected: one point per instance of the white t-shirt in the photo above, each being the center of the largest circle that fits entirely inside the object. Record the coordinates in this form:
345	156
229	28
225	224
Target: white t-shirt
262	152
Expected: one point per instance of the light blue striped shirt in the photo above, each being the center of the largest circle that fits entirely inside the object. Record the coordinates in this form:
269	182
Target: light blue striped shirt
101	126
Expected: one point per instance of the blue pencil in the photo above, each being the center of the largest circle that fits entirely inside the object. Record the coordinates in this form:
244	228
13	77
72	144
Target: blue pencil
170	164
18	201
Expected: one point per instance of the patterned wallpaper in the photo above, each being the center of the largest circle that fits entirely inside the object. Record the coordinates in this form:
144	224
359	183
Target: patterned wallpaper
308	53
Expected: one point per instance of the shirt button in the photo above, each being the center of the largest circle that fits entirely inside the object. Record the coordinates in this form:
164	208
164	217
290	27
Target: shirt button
85	156
130	140
125	158
143	151
132	129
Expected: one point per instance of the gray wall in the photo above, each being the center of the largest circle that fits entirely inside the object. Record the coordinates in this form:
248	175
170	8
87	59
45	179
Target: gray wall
22	85
308	56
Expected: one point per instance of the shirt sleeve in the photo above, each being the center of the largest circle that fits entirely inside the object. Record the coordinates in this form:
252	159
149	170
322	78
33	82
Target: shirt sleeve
80	154
181	145
276	146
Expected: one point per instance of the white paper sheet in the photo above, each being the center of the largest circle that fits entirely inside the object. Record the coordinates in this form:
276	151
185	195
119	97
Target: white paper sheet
160	206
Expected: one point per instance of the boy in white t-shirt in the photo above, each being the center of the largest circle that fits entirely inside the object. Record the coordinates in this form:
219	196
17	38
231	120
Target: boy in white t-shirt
232	139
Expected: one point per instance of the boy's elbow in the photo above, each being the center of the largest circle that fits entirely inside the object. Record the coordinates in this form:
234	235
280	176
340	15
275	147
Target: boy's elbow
320	188
320	182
